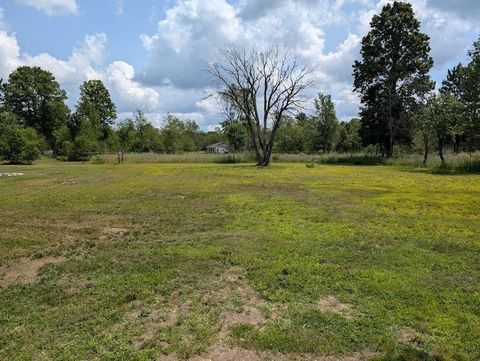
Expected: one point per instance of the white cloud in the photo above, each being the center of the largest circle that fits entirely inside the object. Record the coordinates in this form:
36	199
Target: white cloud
9	53
54	7
187	38
84	63
185	41
129	93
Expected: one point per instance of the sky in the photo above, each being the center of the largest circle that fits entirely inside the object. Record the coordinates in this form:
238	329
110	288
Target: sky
152	54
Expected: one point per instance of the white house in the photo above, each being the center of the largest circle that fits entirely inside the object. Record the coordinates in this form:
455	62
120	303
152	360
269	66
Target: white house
220	148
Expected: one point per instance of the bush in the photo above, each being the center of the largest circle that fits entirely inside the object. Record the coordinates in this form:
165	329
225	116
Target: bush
83	148
18	145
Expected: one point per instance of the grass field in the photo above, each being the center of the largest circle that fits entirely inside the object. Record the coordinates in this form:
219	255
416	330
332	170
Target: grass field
232	262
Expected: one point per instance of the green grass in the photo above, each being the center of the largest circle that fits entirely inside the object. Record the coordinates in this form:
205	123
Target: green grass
161	256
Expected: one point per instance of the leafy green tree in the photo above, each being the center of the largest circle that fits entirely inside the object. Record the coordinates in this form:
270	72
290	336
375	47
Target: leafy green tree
290	138
85	144
236	134
325	123
349	137
424	123
211	137
126	135
37	100
18	145
454	82
63	141
471	98
454	85
445	112
173	133
392	75
192	136
96	107
147	137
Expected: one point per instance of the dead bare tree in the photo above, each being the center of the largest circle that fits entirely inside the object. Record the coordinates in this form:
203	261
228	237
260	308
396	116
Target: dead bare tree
263	86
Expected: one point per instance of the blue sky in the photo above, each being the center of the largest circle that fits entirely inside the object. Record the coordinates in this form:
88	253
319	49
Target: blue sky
151	54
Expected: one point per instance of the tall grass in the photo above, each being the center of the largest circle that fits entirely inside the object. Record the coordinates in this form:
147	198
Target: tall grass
461	162
187	157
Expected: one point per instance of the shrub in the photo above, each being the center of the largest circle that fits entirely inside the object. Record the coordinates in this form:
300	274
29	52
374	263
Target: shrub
18	145
83	147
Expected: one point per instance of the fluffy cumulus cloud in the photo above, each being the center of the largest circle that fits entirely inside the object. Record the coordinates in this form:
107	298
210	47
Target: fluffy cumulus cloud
120	76
185	40
54	7
86	62
325	34
189	36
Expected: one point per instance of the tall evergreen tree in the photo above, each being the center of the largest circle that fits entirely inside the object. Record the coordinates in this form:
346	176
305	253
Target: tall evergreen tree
392	74
454	82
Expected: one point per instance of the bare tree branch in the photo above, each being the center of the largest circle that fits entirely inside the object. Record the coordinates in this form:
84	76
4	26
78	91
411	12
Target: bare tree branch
262	86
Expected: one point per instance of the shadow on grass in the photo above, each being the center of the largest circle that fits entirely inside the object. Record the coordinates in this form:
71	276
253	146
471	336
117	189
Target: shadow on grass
407	353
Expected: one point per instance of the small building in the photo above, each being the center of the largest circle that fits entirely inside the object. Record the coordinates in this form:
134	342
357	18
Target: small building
219	148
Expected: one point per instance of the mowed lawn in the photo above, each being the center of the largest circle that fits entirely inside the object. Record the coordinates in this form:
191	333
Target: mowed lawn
232	262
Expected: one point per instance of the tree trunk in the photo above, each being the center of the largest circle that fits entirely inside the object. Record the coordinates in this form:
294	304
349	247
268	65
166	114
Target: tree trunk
440	152
426	149
456	144
390	139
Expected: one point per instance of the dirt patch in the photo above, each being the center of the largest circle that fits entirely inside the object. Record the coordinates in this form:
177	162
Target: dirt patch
160	318
25	271
240	304
225	353
332	305
112	232
410	336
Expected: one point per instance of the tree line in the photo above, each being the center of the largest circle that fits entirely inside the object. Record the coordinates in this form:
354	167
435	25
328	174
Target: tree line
34	117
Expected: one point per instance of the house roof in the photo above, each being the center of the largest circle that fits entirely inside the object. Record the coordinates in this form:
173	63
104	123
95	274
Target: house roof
219	144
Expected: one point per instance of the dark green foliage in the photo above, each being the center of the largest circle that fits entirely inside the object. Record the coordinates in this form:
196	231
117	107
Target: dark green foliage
179	136
349	140
311	134
18	145
292	136
453	84
236	133
325	125
146	138
37	100
471	98
391	76
96	107
445	114
463	83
